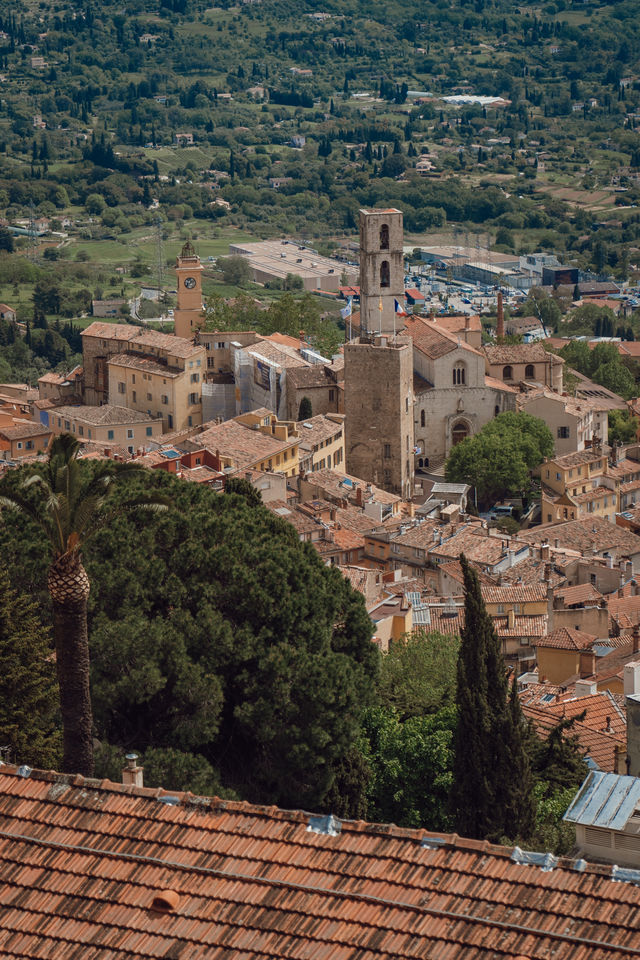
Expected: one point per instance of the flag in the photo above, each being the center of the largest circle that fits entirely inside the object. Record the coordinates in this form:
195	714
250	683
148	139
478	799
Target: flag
400	310
346	311
380	305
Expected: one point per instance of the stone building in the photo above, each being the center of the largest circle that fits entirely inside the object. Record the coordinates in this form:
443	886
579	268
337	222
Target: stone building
381	270
454	398
520	362
378	402
378	392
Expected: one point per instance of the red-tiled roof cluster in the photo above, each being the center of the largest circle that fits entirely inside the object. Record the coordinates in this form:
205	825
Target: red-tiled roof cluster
565	638
95	870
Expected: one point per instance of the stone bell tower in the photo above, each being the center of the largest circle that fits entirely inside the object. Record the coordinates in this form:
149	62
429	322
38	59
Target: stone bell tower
381	270
188	314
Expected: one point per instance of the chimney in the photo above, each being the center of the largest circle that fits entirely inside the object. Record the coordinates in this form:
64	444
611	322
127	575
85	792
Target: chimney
500	317
545	552
632	678
511	619
359	496
587	665
586	688
132	774
608	728
557	543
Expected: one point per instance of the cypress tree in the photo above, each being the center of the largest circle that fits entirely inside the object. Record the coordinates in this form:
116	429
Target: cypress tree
28	689
472	799
492	790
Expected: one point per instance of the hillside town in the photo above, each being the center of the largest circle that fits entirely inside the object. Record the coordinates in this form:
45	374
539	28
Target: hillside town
353	452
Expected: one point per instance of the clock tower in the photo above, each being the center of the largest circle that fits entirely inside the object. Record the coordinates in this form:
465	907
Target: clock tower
188	313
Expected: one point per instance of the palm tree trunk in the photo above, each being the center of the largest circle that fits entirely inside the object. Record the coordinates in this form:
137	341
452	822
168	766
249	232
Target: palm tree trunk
69	589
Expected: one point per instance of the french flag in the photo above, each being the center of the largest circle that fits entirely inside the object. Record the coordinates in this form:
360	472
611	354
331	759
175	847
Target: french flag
400	311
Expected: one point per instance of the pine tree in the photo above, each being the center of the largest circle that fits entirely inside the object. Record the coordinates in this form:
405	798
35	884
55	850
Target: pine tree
492	792
28	689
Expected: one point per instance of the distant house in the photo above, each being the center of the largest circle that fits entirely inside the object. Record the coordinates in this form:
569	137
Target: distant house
298	141
7	313
184	139
107	308
149	38
276	182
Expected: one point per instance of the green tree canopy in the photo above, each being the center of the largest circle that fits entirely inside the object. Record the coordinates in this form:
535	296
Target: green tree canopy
417	676
499	459
214	632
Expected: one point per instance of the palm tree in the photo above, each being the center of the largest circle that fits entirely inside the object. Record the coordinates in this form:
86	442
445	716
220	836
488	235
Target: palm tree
70	508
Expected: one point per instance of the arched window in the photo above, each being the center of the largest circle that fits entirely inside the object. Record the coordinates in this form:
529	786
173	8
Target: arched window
459	432
422	418
507	373
459	374
385	276
384	236
529	371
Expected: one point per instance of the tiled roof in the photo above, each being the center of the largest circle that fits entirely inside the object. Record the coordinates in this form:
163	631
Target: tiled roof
515	593
111	331
584	535
475	544
318	428
529	628
333	482
26	428
581	593
576	459
599	745
167	342
145	364
82	862
314	376
520	353
565	638
106	414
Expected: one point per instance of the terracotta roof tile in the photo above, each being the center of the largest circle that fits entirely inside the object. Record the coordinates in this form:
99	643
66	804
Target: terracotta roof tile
565	638
581	593
81	862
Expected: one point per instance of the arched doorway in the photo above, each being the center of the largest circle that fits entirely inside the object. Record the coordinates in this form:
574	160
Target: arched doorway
459	432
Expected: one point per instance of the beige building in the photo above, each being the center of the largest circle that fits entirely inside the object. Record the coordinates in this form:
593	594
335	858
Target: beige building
252	441
107	424
22	438
520	362
275	259
154	373
321	442
573	422
588	484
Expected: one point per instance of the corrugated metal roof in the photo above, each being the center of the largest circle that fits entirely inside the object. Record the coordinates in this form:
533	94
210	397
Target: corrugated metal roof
605	800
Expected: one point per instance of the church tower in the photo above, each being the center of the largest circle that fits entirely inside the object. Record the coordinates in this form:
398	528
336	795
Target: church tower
188	314
381	270
378	367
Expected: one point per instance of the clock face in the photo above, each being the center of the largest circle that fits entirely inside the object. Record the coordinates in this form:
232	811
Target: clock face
190	283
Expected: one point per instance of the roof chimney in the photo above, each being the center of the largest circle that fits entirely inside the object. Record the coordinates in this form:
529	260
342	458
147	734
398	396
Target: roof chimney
132	774
586	688
632	678
511	619
500	317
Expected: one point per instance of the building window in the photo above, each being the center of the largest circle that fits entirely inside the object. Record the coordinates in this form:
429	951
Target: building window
190	421
195	378
133	395
422	418
81	431
387	450
385	274
458	374
529	371
170	421
129	434
109	434
193	398
332	395
563	434
19	445
459	432
89	432
149	431
384	236
133	378
122	387
164	399
149	396
507	373
130	449
220	345
67	425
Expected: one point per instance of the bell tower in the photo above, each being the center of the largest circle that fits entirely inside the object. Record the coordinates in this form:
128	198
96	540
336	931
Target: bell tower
381	270
188	314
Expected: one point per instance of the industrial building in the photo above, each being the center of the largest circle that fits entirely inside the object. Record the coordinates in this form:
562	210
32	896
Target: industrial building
276	259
